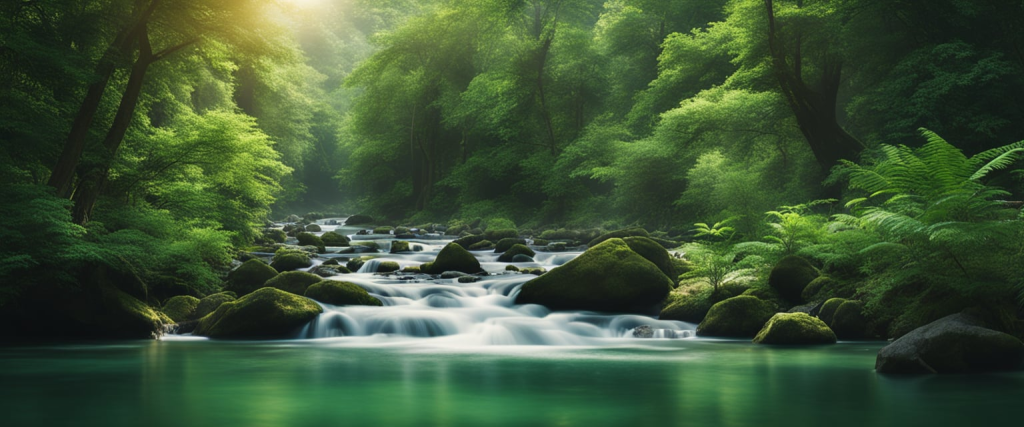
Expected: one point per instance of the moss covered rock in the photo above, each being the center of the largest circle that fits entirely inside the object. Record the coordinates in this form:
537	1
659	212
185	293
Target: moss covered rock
383	230
740	317
953	344
340	293
181	308
210	303
275	235
849	322
790	276
654	253
313	227
453	258
607	277
359	220
265	313
482	245
468	241
517	249
249	276
295	282
355	264
332	238
400	246
629	232
500	234
506	243
795	328
686	307
309	239
328	270
828	309
388	267
289	261
817	286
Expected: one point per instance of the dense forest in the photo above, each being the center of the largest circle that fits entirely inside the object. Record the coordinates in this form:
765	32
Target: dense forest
145	144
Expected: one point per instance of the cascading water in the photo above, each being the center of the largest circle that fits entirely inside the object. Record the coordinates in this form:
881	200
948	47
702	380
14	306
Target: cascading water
422	308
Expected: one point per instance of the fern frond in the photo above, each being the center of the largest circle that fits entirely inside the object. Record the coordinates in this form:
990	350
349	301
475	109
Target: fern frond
1002	162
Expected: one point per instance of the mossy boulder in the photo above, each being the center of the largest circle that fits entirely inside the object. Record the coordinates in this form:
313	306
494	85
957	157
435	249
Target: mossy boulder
497	235
359	220
295	282
536	271
181	308
511	267
795	328
288	261
383	230
686	307
654	253
506	243
313	227
468	241
249	276
265	313
341	293
275	235
210	303
607	277
328	270
517	249
790	276
400	246
482	245
453	258
355	264
848	321
629	232
388	267
817	286
332	238
309	239
953	344
740	317
828	309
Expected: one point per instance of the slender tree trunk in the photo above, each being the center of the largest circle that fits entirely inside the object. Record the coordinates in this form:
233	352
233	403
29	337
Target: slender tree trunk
814	108
63	173
542	58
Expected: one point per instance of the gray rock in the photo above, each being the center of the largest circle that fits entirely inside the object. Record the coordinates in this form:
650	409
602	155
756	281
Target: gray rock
955	343
643	331
522	258
468	279
453	274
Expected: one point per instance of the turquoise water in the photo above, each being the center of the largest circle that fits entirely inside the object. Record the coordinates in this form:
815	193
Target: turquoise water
328	382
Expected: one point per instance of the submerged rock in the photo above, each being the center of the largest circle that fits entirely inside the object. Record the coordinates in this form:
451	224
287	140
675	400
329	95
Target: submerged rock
295	282
790	276
607	277
341	293
952	344
265	313
453	258
795	328
180	308
740	317
249	277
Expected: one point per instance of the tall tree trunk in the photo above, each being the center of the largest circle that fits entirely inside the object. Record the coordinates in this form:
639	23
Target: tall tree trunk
814	108
63	173
94	181
542	58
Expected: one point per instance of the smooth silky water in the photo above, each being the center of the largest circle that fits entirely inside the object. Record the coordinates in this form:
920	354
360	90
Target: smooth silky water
462	354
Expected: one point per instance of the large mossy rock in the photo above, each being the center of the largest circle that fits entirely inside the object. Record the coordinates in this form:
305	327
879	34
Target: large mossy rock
295	282
453	258
740	317
691	303
399	246
313	227
181	308
265	313
210	303
359	220
790	276
468	241
828	309
275	235
817	286
290	261
795	328
332	238
388	267
845	317
341	293
506	243
629	232
249	276
607	277
310	239
517	249
953	344
654	252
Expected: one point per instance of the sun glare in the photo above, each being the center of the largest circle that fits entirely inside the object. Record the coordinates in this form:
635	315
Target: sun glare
301	4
